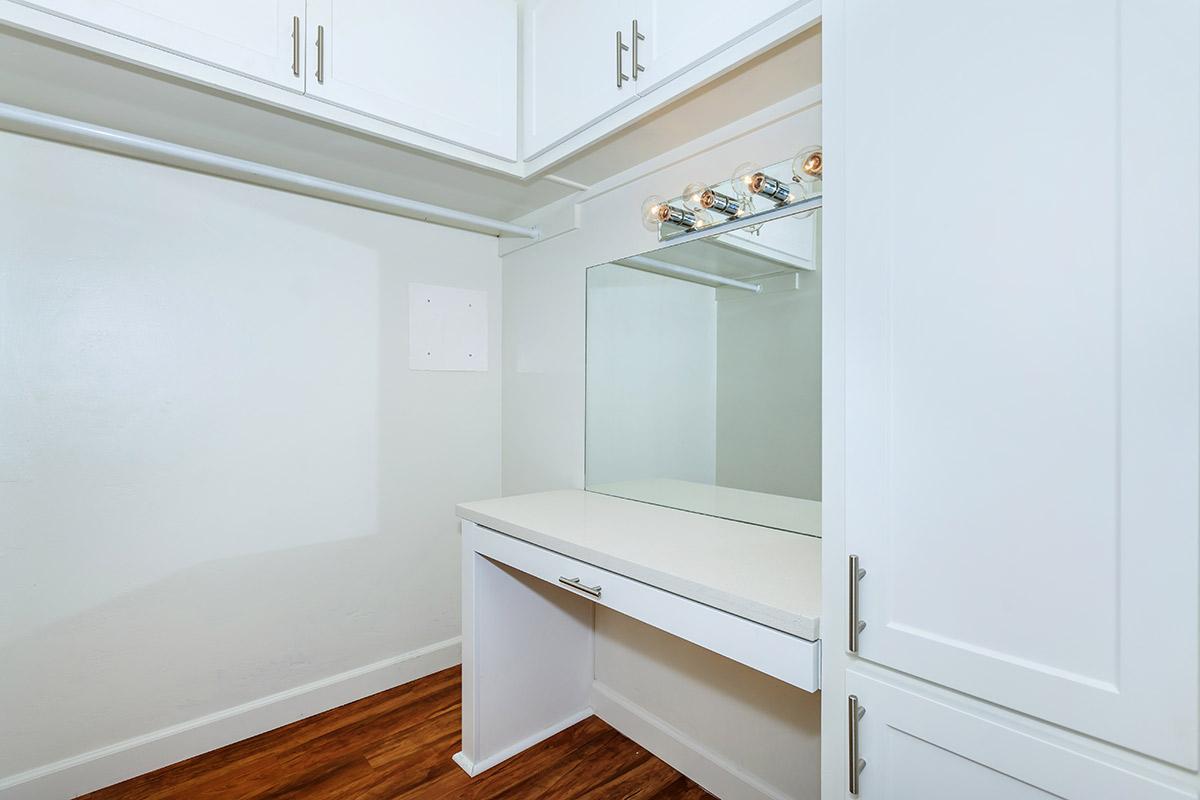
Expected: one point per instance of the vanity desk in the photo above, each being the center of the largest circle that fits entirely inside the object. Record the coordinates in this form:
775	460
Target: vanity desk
535	566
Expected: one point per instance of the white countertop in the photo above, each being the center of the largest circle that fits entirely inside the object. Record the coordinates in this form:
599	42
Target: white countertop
770	576
757	508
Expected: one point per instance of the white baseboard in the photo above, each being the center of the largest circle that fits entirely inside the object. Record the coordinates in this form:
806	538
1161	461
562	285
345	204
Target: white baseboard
473	768
117	762
706	768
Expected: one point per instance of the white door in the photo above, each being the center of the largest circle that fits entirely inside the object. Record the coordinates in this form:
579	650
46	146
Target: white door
921	748
682	33
572	63
449	71
253	37
1022	191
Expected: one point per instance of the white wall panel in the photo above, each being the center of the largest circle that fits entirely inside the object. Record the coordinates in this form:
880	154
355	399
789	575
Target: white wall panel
218	478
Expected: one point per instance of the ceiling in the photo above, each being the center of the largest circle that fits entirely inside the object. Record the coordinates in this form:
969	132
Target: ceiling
56	79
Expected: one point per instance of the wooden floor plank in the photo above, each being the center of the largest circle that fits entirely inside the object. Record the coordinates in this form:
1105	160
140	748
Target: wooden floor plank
396	745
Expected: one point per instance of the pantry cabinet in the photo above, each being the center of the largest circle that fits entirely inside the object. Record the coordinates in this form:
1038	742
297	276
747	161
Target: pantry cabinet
450	75
1022	365
261	39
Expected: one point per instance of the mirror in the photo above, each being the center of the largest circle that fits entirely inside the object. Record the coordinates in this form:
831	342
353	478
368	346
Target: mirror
704	375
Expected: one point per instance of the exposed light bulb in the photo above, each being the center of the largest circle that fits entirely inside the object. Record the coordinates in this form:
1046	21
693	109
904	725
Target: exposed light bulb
743	176
656	211
693	196
807	165
652	212
703	219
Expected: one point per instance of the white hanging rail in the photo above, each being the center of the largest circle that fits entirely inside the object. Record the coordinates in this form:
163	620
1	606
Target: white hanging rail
69	131
686	273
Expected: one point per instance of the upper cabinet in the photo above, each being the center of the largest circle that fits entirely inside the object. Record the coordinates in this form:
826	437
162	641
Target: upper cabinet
258	38
450	75
586	61
681	33
577	56
511	87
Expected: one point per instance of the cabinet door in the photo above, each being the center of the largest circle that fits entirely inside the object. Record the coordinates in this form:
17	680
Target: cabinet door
917	747
253	37
416	64
682	33
571	65
1021	194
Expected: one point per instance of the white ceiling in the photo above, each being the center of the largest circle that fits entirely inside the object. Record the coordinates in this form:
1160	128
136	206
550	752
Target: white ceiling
58	80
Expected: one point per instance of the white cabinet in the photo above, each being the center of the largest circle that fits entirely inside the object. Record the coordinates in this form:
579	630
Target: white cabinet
918	747
576	71
514	87
1021	194
450	75
681	33
259	38
572	63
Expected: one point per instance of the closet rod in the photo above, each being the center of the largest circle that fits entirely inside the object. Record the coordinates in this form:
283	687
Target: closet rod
70	131
686	273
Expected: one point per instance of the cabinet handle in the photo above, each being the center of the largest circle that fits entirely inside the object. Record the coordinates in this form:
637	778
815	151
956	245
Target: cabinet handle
857	764
575	583
320	54
637	37
621	48
856	624
296	46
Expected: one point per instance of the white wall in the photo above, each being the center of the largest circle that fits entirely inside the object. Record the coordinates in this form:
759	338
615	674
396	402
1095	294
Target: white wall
218	478
651	376
543	431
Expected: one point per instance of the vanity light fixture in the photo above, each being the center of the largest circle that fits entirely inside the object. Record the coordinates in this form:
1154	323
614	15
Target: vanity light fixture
698	197
795	183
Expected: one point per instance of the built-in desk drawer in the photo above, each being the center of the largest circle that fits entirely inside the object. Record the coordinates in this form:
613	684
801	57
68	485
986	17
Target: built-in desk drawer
789	658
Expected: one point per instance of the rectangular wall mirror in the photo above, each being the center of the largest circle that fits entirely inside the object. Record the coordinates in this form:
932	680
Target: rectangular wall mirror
704	375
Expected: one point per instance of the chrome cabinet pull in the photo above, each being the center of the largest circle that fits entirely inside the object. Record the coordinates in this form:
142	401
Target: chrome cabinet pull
637	37
575	583
320	54
621	48
296	46
857	764
856	624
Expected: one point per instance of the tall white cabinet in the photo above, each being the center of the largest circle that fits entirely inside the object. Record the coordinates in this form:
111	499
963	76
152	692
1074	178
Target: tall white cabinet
1015	197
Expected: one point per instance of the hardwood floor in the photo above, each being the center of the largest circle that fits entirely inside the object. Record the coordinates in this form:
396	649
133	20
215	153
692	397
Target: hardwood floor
397	745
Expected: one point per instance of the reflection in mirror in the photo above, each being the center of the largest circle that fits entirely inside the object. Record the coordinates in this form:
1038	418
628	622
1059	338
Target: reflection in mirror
704	376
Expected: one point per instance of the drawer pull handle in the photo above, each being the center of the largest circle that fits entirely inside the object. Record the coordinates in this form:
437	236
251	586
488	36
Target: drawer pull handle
320	54
296	46
621	48
857	762
857	573
638	36
575	583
